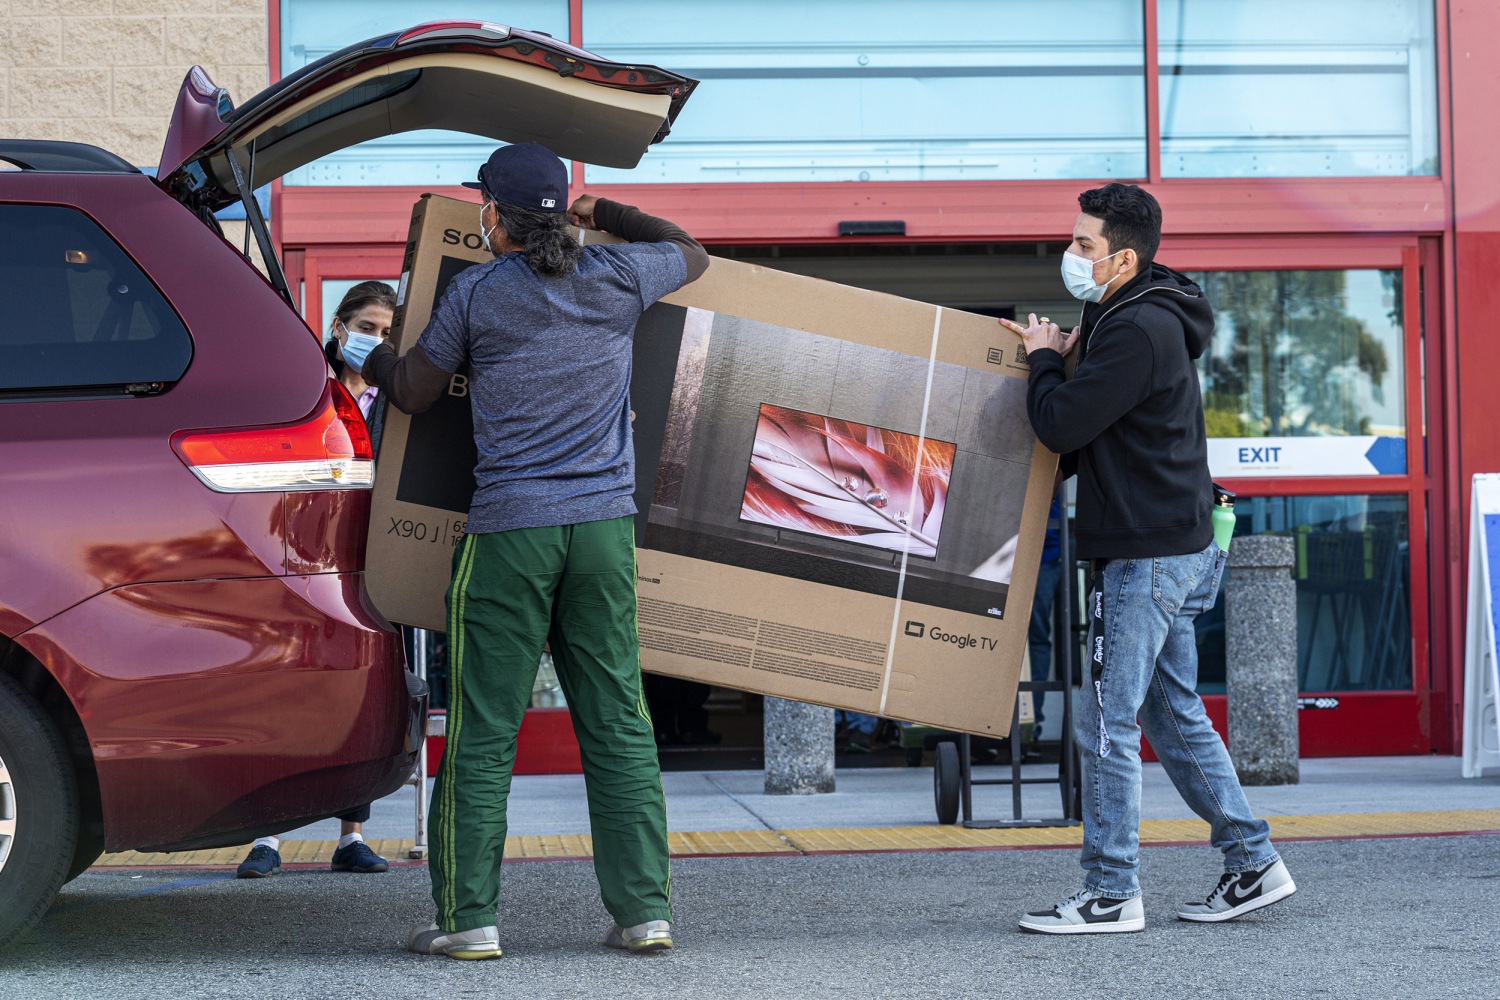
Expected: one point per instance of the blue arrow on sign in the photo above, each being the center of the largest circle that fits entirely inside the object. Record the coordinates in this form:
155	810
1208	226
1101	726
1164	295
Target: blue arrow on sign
1387	455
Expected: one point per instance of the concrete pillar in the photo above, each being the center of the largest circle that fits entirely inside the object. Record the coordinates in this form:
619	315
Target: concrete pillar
799	748
1260	650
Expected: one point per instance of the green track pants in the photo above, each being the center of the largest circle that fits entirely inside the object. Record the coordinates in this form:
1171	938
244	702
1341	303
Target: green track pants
574	587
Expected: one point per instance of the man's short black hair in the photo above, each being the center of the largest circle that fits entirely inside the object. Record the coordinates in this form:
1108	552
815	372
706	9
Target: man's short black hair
1132	218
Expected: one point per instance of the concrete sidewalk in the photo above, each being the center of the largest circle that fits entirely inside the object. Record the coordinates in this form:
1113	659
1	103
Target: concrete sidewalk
726	813
702	801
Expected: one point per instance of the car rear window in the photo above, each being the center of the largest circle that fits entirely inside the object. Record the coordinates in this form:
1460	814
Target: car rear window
75	310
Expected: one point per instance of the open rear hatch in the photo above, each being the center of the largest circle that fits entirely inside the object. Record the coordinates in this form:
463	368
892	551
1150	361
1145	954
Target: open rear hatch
466	76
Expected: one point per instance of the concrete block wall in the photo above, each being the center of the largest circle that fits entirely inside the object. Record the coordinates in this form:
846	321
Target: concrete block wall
107	72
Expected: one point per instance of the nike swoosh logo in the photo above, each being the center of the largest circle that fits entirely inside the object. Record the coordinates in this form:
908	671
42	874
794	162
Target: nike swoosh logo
1237	895
1093	911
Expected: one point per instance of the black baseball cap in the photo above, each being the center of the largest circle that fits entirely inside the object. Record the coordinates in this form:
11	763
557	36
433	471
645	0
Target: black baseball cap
526	174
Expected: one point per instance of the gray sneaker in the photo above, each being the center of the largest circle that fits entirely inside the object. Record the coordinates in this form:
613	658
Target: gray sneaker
470	945
653	935
1087	912
1239	893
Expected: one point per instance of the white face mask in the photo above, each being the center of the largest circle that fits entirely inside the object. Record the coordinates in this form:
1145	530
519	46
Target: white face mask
484	233
1078	275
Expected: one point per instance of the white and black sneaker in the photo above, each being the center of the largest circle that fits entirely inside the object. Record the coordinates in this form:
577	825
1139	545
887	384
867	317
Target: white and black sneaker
1240	892
1087	912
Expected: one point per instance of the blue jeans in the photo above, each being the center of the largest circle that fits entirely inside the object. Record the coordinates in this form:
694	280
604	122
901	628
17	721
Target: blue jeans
1143	662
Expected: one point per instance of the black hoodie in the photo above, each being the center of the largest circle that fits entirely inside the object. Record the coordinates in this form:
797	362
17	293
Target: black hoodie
1130	420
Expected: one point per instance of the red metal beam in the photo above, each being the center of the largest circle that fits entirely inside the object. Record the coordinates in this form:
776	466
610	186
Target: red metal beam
1416	477
1308	486
1445	544
1153	93
1473	86
1365	724
934	211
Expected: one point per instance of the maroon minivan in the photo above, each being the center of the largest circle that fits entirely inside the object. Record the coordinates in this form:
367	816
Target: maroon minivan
188	657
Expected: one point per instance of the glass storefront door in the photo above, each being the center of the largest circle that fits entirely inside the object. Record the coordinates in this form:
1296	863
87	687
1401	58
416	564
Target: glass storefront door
1313	402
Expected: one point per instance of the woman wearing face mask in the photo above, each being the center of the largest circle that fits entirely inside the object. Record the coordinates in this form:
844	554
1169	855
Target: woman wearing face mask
364	315
363	320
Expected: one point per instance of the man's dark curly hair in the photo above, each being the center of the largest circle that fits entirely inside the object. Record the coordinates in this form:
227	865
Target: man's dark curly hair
1132	219
551	249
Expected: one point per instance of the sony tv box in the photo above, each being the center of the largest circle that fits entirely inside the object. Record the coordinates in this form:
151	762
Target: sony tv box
840	497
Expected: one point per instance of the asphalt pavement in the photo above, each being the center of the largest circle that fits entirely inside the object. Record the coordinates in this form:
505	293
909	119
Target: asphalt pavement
1371	918
1407	916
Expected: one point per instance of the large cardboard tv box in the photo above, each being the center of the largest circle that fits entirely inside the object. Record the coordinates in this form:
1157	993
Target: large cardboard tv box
841	499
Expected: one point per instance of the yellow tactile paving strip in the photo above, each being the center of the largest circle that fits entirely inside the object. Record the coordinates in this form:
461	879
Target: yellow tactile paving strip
874	839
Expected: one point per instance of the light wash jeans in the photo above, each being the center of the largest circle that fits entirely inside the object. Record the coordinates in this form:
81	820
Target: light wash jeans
1143	663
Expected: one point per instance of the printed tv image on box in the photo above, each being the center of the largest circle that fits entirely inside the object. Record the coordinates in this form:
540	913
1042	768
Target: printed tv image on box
829	461
844	480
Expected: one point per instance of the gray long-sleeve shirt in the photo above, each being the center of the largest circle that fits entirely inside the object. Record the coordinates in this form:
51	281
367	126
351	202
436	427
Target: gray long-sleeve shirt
549	361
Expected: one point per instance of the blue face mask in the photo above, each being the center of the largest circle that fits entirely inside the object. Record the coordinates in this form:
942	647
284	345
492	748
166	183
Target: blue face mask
358	347
1078	275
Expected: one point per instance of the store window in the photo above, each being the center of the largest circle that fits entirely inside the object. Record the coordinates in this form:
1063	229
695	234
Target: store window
1353	578
312	29
1305	374
885	91
1297	88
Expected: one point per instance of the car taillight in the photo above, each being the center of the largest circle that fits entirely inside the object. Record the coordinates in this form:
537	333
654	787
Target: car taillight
328	450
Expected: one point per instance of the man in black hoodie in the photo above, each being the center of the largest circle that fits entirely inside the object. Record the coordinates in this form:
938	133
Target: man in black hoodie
1129	424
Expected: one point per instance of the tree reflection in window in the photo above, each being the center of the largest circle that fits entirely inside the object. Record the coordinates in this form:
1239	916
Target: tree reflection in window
1303	353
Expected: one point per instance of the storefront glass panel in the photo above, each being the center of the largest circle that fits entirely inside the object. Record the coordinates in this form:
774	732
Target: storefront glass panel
884	91
1297	88
312	29
1305	354
1353	578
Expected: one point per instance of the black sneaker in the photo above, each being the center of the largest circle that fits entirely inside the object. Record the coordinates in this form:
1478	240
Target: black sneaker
1087	912
358	858
261	862
1240	892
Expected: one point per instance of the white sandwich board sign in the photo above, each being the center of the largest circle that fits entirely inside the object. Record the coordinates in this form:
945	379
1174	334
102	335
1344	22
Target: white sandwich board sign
1481	682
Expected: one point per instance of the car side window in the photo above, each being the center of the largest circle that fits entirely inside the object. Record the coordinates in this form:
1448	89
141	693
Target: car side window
76	313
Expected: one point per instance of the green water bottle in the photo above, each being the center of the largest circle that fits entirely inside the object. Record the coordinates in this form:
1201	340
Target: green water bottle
1223	516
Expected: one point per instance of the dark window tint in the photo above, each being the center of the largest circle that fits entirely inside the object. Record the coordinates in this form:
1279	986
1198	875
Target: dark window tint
75	311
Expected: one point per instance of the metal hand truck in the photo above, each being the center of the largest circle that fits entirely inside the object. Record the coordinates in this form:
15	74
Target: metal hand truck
953	778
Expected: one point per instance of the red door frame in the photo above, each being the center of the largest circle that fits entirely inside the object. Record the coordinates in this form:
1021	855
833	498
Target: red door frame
1374	722
310	265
